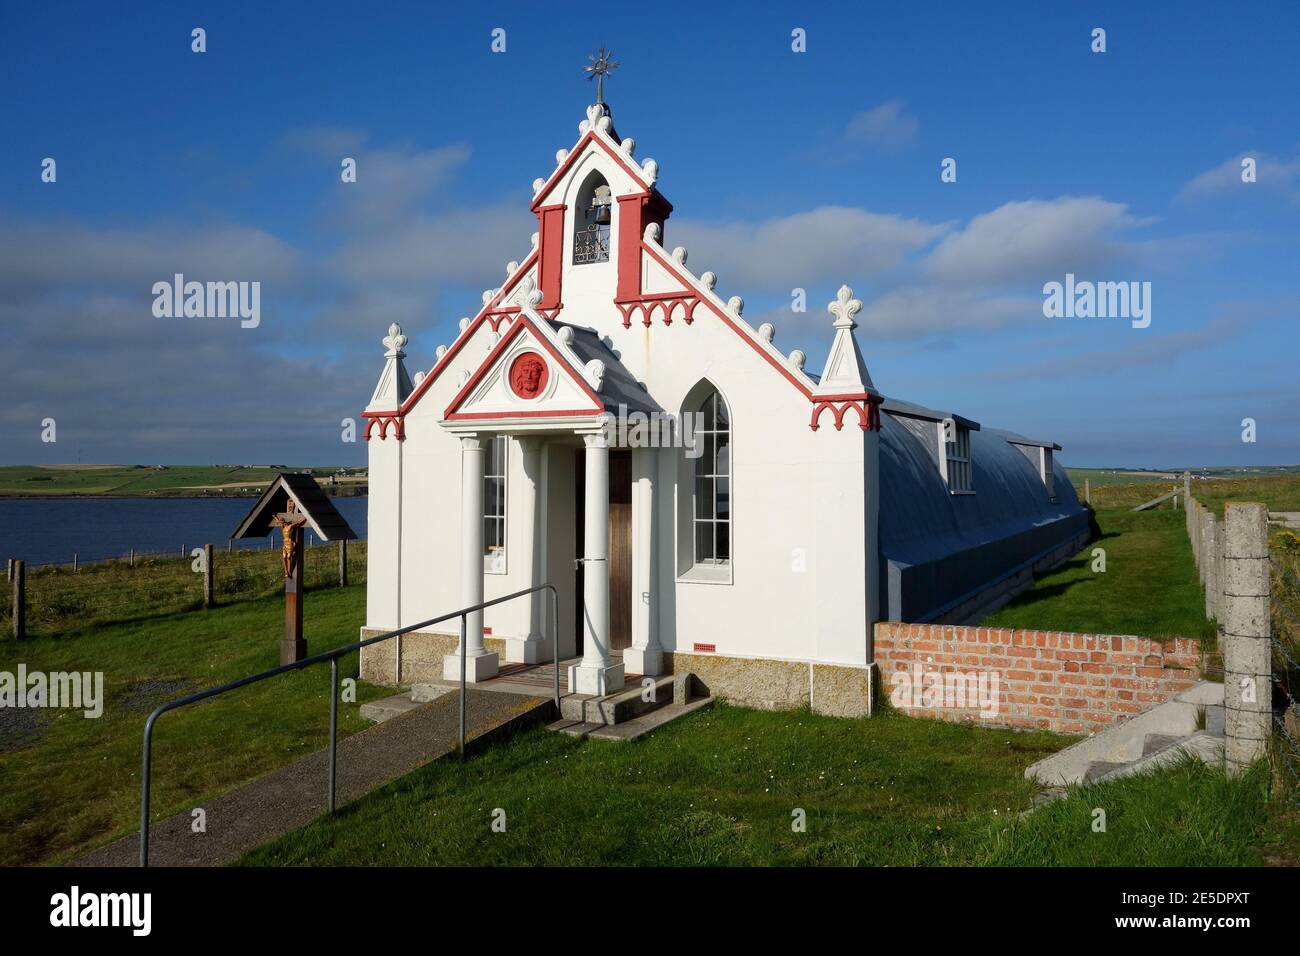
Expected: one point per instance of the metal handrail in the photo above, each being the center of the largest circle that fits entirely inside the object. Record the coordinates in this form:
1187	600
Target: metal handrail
333	657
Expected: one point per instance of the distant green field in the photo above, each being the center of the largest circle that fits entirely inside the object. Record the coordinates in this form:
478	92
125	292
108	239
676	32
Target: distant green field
32	480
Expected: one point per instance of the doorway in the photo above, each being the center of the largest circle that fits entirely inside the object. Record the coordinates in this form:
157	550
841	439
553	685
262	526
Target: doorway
620	547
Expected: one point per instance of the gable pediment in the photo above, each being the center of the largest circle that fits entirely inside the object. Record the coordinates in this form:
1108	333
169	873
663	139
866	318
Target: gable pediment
530	373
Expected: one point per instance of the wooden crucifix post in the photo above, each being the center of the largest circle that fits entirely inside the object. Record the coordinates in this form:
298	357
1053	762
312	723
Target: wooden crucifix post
290	522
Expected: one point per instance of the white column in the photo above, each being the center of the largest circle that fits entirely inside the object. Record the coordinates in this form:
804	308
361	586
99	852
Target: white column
480	664
532	647
596	674
645	656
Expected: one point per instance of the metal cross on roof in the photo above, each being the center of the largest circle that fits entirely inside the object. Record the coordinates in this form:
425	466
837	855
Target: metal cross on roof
602	64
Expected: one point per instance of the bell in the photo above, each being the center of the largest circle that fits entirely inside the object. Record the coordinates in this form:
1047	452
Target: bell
602	215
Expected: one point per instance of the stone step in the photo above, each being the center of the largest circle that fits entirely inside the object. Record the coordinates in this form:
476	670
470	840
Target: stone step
1100	768
635	728
423	693
618	707
379	711
1158	742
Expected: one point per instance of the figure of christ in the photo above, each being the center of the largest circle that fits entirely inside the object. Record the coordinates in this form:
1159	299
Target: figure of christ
288	522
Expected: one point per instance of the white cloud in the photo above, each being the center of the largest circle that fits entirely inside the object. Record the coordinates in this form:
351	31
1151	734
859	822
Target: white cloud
826	244
1273	174
885	126
1027	241
919	311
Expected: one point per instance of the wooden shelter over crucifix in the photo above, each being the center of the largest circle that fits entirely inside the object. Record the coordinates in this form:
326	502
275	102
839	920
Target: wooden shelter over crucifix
293	502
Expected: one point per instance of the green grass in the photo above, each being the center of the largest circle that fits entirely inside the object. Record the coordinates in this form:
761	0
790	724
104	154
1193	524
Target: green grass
76	785
132	480
719	788
1150	587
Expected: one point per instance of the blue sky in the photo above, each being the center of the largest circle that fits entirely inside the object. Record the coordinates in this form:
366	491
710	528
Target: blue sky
787	170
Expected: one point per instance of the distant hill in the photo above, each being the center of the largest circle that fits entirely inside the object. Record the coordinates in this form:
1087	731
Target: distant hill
30	481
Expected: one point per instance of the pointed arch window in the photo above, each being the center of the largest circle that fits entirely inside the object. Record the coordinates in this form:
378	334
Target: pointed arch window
711	521
591	221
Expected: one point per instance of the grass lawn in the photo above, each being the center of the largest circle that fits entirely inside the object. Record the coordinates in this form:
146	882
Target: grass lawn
1150	587
719	787
68	783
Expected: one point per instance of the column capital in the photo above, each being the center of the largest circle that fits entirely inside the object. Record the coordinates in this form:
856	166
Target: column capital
471	443
597	440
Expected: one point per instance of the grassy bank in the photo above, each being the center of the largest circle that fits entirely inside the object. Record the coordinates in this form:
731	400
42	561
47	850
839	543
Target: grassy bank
68	783
1149	588
722	787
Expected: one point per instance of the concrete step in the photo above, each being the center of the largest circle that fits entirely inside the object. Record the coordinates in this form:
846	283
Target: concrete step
1100	768
379	711
423	693
617	708
1125	743
634	728
1158	742
1203	745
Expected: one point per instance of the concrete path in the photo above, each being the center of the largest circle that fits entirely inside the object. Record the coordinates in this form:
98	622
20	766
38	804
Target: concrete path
293	796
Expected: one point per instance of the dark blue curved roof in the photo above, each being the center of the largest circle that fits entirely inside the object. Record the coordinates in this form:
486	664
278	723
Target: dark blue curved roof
938	549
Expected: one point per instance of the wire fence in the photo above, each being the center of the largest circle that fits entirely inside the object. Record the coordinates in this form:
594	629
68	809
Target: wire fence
61	597
1284	606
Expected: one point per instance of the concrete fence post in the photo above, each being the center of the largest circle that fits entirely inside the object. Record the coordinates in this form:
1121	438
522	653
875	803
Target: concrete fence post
207	575
9	570
1247	650
1204	537
20	600
343	562
1211	566
1087	491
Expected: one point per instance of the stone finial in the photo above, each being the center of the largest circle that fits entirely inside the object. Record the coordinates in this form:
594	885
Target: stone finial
534	298
797	359
535	238
628	146
652	232
419	377
538	183
440	352
596	369
650	171
464	323
709	280
844	308
736	304
767	332
511	266
487	295
566	334
679	254
560	156
395	341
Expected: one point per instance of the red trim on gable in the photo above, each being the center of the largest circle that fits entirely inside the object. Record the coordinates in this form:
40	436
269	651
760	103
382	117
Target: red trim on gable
587	138
550	246
516	329
484	315
383	420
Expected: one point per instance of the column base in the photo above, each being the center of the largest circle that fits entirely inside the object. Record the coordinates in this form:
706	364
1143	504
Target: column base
596	681
478	667
533	649
643	661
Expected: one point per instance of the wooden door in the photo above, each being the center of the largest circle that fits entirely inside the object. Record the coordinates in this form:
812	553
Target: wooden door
620	547
620	550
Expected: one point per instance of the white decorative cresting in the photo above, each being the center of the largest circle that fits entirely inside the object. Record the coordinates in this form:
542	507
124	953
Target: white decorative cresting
535	238
596	371
709	280
797	358
439	352
534	298
736	304
560	156
566	334
628	146
419	377
464	323
394	342
651	232
538	183
594	113
650	171
767	332
487	295
679	253
844	308
511	266
603	124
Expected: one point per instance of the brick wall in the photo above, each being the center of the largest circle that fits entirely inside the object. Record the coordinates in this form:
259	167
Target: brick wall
1043	680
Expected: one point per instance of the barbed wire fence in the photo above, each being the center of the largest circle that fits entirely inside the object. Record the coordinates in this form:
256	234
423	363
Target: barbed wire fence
62	597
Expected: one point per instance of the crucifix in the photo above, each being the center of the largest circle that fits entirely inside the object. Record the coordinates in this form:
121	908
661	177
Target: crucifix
290	522
602	65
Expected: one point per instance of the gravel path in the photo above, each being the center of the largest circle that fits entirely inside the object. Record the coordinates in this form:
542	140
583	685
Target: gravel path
291	797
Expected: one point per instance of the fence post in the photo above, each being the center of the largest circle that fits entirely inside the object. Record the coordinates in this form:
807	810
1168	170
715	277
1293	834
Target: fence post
207	575
1247	648
1087	491
1211	566
9	570
133	557
74	561
20	601
343	562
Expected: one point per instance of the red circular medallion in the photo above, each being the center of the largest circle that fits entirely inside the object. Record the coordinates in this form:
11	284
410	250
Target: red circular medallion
528	375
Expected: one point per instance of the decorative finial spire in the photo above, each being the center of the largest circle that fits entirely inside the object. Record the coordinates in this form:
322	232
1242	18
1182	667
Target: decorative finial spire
395	341
602	64
844	308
